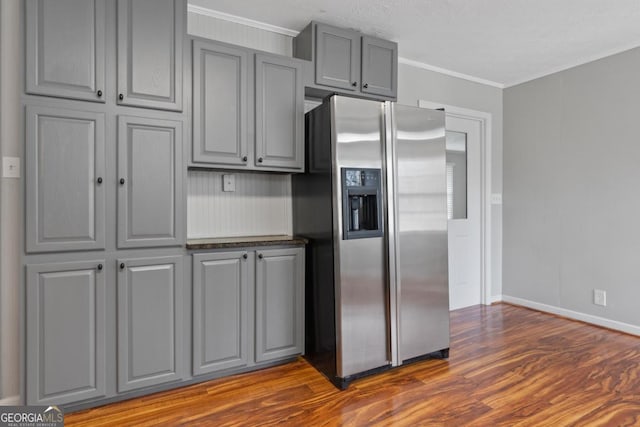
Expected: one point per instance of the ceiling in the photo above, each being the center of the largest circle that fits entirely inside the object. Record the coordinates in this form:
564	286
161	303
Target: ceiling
497	42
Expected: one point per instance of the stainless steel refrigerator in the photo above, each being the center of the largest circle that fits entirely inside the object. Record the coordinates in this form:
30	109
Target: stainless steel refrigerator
372	204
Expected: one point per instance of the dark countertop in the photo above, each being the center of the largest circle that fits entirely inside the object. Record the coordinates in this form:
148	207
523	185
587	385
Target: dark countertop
245	242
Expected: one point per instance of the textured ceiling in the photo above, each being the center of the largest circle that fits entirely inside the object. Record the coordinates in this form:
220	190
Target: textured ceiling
500	41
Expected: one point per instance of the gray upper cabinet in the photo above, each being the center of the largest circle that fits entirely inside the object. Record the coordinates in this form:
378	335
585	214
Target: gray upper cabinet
65	356
220	311
279	112
149	321
346	61
220	104
379	66
279	323
150	35
65	49
337	61
65	167
150	181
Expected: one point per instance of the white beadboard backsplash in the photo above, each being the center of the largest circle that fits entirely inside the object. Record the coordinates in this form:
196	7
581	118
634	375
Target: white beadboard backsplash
261	205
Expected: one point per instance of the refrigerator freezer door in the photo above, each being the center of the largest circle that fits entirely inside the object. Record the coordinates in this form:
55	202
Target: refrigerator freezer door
419	206
362	326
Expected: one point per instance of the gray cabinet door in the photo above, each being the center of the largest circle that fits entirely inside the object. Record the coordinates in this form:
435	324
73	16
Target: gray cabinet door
65	167
65	44
65	332
220	104
279	112
150	35
279	323
337	57
379	67
149	321
220	311
150	181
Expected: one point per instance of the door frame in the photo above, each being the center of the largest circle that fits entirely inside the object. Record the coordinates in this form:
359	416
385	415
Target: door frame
485	121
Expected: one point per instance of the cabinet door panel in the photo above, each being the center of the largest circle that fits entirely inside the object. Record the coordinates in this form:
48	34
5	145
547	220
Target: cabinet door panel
65	332
279	112
65	162
150	34
379	66
150	182
279	300
220	102
66	48
220	311
337	57
149	321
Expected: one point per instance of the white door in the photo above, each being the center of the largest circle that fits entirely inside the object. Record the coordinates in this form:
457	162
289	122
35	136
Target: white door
463	209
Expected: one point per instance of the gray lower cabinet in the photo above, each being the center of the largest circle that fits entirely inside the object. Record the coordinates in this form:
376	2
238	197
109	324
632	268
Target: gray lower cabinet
220	104
279	323
220	311
65	332
150	182
65	167
150	344
150	36
65	45
279	112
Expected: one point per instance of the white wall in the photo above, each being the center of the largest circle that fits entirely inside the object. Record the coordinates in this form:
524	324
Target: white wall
571	208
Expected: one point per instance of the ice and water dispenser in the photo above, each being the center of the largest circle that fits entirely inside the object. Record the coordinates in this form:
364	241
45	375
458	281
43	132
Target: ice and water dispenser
361	203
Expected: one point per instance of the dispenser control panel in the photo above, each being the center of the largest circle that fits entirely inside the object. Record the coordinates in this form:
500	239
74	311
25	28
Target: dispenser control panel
361	203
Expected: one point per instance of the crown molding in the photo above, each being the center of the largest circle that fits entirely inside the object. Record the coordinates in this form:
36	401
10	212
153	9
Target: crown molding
450	73
240	20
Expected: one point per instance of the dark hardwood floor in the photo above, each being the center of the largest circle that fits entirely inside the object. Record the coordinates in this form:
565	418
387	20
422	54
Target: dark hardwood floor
508	366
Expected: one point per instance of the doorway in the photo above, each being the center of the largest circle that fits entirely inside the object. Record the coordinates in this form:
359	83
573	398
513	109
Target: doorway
468	204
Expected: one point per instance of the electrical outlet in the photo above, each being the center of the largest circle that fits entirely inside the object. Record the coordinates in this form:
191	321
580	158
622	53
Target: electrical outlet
228	183
600	297
11	167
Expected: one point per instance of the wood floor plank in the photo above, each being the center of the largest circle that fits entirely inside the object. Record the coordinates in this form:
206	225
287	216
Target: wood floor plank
508	366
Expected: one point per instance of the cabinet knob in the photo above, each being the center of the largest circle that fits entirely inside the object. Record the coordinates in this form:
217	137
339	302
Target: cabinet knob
245	256
121	181
99	93
366	85
99	266
244	158
99	180
121	97
259	159
354	84
260	256
122	266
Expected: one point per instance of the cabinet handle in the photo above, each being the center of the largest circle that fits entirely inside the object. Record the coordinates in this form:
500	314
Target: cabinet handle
244	158
260	256
245	256
99	180
121	181
366	85
122	266
99	93
354	84
121	97
259	159
99	266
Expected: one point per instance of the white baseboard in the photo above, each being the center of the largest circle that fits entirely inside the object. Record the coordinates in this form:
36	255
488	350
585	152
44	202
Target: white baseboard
495	298
588	318
11	400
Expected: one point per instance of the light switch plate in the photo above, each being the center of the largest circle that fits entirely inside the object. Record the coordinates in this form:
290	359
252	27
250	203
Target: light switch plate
228	183
11	167
496	199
